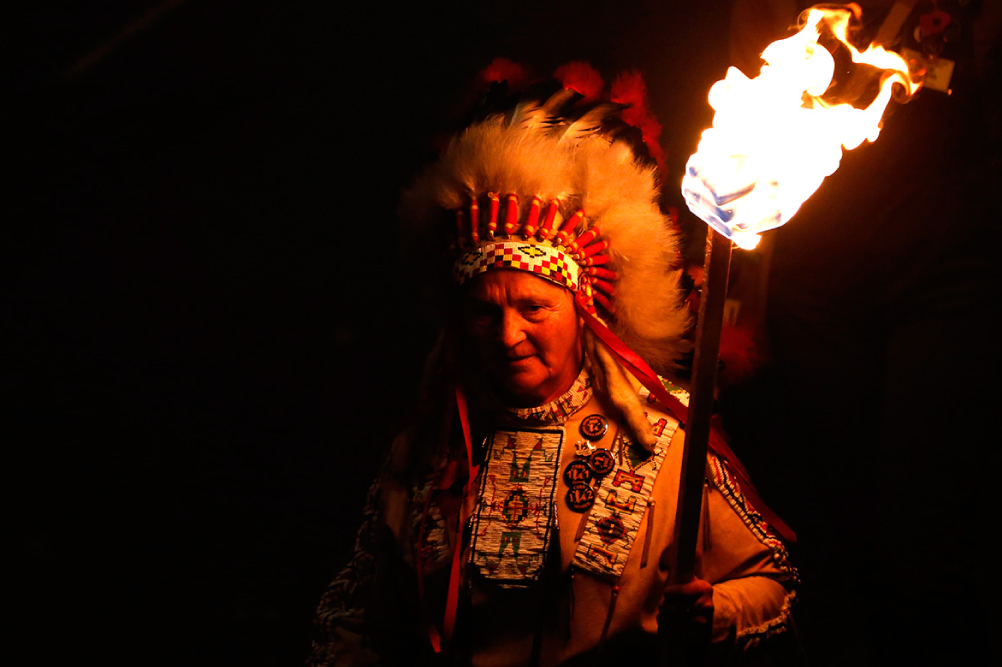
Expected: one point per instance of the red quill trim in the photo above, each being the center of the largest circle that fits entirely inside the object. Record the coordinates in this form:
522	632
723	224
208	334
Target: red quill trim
511	215
594	249
599	272
546	230
492	225
529	229
567	228
602	301
584	239
474	222
594	260
603	286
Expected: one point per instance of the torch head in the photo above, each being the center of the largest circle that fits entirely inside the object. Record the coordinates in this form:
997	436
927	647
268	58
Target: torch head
774	138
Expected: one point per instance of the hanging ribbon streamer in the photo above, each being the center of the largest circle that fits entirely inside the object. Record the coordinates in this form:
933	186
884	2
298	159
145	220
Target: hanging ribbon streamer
647	377
452	599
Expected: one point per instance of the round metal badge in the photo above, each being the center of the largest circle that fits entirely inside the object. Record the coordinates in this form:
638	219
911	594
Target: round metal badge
601	462
577	472
580	497
594	427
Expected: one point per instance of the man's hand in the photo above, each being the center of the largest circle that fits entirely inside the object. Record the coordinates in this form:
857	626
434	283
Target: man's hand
688	607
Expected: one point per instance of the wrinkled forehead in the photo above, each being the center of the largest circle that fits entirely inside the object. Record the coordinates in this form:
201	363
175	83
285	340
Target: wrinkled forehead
513	286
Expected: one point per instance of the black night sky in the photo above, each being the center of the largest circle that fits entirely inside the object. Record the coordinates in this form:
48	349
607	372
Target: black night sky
205	348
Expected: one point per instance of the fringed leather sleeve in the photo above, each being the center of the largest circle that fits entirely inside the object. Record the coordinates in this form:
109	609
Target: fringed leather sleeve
340	620
754	581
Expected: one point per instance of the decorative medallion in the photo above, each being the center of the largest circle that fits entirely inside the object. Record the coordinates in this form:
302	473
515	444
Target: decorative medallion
593	427
601	462
577	472
580	497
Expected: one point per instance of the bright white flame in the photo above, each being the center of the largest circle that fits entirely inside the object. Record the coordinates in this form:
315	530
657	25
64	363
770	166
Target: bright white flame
773	139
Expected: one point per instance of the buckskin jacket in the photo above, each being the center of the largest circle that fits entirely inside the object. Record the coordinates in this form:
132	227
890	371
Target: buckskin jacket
560	548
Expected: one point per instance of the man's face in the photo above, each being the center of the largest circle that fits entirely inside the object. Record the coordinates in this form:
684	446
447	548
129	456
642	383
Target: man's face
526	333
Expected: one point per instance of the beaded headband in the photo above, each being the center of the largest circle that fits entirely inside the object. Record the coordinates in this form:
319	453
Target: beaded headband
551	249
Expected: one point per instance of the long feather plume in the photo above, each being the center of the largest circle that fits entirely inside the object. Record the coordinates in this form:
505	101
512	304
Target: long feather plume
590	123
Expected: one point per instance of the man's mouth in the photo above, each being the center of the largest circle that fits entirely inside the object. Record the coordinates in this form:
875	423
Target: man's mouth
520	358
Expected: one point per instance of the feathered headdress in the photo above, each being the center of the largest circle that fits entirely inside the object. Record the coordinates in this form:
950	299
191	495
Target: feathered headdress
570	177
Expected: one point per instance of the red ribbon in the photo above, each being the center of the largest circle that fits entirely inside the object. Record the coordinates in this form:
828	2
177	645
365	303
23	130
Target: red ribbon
447	479
452	600
647	377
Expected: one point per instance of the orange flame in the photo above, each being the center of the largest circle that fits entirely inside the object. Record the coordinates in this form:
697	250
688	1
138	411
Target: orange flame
774	139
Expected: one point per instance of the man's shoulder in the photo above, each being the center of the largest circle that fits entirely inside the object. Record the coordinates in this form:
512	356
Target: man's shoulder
678	399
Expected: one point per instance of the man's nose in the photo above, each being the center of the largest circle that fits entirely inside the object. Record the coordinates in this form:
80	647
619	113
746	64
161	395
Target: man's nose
512	330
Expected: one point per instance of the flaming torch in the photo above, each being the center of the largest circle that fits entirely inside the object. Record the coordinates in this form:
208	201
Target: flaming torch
773	141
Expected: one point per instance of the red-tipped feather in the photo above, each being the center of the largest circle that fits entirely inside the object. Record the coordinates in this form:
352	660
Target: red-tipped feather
581	78
502	69
566	229
629	89
739	354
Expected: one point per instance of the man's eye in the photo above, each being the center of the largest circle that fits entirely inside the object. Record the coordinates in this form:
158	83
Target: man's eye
533	310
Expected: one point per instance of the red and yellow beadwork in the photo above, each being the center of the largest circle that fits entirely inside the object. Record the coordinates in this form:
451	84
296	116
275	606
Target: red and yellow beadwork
563	251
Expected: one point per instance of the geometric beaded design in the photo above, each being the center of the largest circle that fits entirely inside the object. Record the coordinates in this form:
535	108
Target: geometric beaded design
507	235
542	260
513	524
622	500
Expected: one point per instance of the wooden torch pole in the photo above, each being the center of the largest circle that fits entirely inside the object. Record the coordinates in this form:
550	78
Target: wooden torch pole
716	269
680	556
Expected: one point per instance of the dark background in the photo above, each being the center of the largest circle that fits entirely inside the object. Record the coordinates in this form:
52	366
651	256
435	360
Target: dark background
205	347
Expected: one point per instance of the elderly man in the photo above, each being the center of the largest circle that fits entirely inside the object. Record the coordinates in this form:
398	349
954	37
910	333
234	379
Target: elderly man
526	517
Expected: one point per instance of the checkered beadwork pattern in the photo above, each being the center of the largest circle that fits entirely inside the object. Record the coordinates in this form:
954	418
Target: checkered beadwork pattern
539	259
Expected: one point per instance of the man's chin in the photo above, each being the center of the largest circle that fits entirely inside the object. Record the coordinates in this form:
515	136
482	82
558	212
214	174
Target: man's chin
522	389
